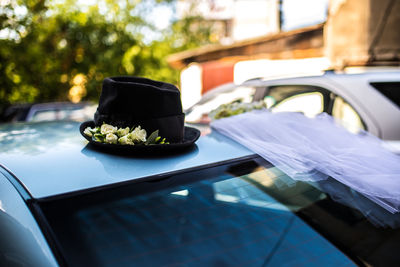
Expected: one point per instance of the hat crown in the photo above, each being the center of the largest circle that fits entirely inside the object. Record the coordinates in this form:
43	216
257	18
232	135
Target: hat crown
133	101
140	98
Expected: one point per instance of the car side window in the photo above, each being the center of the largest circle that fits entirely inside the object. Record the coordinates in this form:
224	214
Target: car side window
347	115
310	104
307	99
44	115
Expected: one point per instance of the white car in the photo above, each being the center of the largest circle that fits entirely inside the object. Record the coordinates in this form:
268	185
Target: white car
369	100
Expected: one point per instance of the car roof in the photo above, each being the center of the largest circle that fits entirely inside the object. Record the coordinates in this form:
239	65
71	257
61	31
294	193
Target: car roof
52	158
368	76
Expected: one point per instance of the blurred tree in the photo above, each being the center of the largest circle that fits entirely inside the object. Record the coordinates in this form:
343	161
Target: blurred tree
60	49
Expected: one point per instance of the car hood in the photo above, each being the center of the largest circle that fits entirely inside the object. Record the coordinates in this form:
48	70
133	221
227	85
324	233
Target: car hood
52	158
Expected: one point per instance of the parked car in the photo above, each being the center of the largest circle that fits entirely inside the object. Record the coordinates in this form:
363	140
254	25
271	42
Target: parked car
65	203
368	100
49	112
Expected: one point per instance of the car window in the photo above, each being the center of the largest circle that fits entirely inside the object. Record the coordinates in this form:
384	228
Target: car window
238	214
308	99
77	113
347	115
199	112
391	90
44	115
15	113
244	213
311	101
310	104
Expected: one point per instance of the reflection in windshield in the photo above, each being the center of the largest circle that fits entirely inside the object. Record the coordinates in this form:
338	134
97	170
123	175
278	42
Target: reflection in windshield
213	217
351	198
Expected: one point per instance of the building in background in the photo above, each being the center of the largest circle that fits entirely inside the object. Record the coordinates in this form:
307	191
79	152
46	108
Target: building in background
235	20
274	38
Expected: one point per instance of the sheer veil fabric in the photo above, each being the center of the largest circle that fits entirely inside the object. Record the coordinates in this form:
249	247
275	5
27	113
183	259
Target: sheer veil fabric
313	149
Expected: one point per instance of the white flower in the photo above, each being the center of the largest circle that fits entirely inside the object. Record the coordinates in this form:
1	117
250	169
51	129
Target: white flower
107	128
111	138
123	131
88	132
138	135
125	140
91	131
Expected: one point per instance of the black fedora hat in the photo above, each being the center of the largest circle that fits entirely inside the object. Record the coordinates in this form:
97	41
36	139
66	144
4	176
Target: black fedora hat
153	105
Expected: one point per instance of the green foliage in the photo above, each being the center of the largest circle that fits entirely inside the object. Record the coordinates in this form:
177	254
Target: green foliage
235	108
51	43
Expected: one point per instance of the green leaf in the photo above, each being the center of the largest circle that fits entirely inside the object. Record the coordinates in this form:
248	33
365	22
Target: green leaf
152	138
98	137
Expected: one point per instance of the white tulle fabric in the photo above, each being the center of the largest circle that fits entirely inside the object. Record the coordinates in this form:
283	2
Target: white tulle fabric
312	149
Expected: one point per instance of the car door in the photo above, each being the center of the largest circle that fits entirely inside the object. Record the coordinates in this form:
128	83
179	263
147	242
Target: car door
312	100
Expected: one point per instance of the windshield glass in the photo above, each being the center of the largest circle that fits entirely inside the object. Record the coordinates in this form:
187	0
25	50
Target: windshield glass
199	112
233	215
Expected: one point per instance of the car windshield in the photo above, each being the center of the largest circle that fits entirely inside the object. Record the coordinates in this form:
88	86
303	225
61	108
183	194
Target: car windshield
236	214
199	112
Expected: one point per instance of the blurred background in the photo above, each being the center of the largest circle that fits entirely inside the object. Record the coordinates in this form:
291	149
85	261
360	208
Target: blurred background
54	54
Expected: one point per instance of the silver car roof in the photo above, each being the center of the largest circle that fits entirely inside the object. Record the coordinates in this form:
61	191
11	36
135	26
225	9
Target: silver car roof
52	158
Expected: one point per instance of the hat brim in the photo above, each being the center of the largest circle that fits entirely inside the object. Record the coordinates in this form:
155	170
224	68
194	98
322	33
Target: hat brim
190	137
